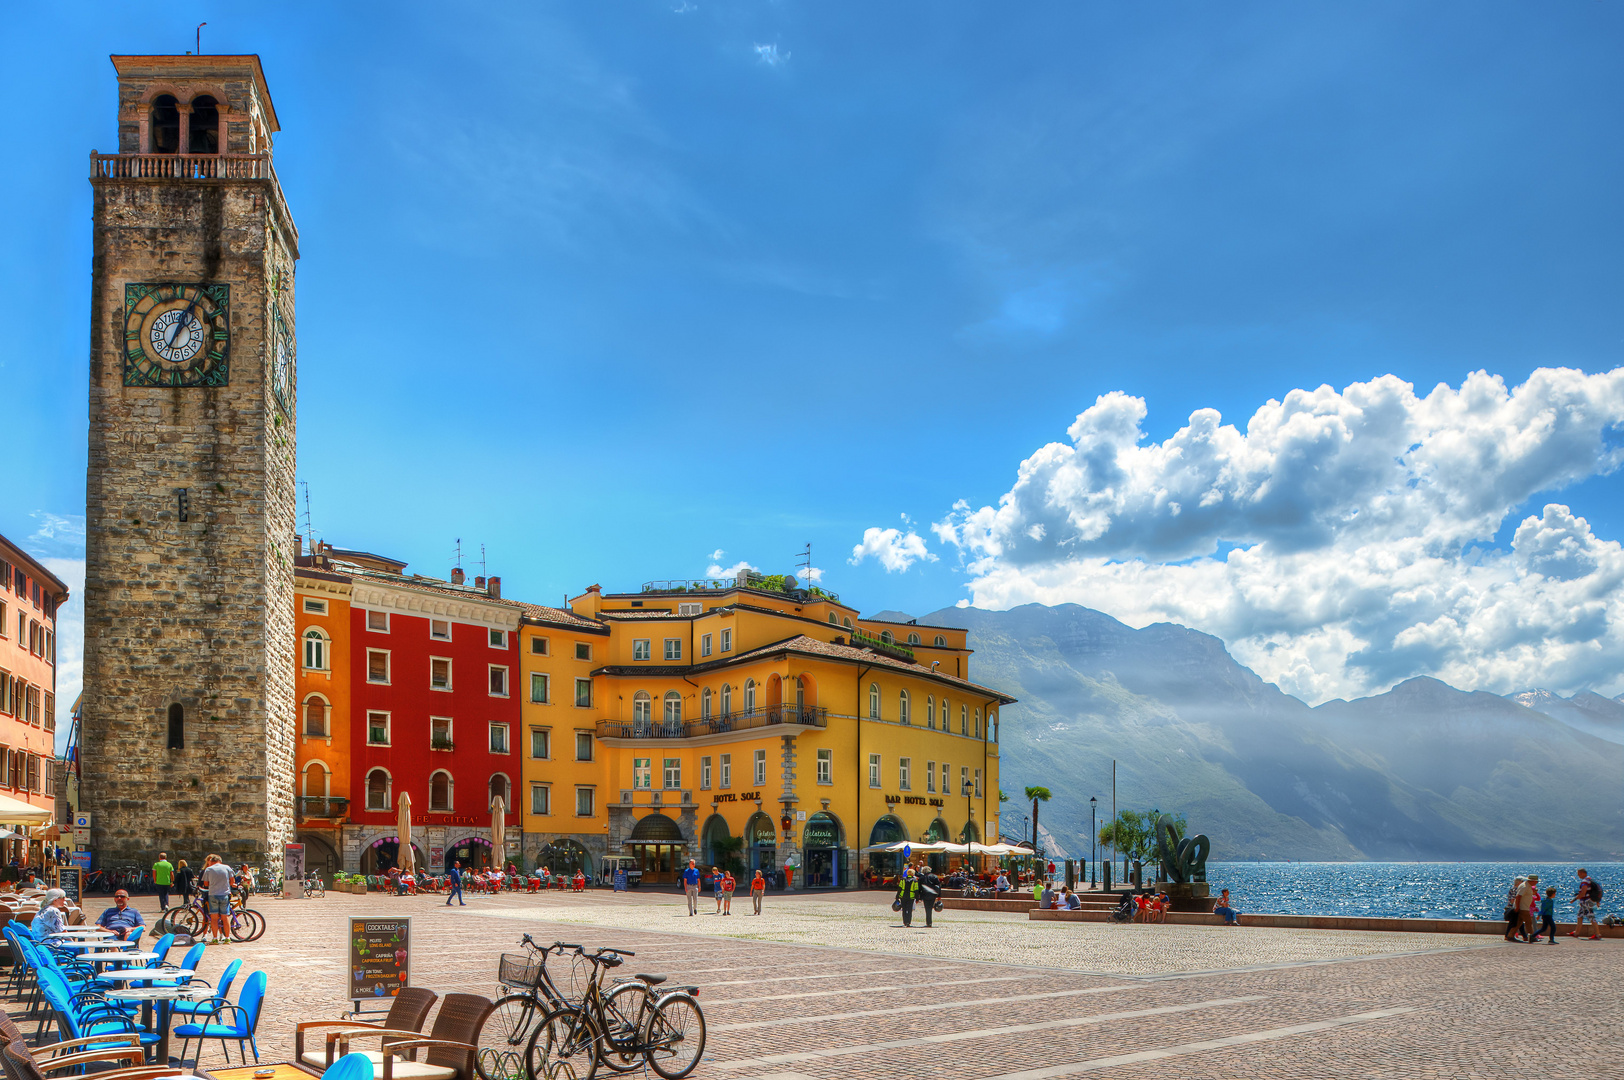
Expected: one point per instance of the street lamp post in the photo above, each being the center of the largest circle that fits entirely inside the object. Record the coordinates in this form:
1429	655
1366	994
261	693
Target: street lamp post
1093	841
969	794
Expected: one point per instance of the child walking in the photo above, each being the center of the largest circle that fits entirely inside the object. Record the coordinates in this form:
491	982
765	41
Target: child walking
729	883
1547	915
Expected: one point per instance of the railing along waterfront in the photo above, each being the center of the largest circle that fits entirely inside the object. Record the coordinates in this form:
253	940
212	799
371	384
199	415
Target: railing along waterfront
803	716
318	806
181	167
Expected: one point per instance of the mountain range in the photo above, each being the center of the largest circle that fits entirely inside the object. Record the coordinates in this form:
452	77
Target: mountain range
1422	772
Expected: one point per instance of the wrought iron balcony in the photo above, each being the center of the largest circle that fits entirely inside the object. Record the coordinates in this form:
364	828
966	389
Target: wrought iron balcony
798	715
320	806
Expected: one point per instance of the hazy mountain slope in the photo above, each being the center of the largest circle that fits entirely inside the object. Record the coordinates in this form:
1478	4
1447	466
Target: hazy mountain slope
1590	713
1258	770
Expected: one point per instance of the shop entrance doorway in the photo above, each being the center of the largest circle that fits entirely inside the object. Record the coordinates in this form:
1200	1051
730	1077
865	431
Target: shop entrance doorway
828	864
761	844
474	852
660	849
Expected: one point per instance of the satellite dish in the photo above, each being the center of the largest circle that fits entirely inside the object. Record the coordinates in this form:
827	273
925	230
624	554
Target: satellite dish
789	582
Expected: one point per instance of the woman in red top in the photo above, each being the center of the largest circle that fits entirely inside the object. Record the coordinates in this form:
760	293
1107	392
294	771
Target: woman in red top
758	889
728	885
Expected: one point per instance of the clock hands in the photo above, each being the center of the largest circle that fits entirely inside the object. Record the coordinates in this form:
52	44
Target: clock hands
185	319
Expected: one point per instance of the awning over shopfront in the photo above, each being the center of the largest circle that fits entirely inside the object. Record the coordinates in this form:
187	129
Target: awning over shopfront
17	812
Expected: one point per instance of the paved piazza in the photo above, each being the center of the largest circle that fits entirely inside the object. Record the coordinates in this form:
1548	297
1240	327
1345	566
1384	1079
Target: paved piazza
819	987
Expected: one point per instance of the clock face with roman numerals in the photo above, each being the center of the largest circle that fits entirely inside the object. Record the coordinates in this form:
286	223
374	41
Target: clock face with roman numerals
177	334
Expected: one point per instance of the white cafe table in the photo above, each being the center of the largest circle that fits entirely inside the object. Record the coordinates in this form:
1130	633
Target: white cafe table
91	944
148	995
145	974
117	957
83	932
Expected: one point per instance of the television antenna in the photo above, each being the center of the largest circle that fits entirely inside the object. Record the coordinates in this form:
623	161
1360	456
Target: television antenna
310	535
804	562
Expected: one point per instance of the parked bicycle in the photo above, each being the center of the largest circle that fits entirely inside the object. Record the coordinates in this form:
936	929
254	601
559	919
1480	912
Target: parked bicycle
245	923
527	991
633	1022
313	884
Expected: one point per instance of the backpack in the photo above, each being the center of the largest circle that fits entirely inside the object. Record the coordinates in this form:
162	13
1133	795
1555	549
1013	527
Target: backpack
1595	889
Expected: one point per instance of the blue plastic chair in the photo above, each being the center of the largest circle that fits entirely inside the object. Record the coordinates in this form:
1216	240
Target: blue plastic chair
207	1006
349	1067
80	1018
230	1023
161	947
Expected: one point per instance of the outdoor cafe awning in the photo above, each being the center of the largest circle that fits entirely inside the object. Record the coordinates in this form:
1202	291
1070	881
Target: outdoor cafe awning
17	812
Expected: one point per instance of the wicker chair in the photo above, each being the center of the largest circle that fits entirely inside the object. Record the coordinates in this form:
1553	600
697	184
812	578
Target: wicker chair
21	1064
451	1046
406	1014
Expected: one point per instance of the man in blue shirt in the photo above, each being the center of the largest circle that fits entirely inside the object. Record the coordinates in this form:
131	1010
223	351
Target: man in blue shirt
121	918
455	874
690	885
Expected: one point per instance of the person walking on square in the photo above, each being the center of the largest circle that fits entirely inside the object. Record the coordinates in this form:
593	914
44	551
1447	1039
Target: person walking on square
1511	908
907	893
930	890
1527	905
716	888
455	874
1588	896
729	884
163	873
1547	915
758	889
184	877
690	886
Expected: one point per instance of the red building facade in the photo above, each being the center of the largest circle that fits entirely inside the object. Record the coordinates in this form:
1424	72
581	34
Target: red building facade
434	713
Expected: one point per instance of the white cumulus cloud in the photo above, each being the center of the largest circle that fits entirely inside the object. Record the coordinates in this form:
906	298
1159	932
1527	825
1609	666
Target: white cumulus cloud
717	570
1341	542
894	548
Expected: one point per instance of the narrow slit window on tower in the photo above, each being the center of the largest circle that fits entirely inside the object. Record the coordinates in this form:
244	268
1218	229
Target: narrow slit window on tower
203	133
164	126
177	727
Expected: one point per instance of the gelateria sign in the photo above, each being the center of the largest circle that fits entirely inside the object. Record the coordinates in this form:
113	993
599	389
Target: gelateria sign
736	796
912	800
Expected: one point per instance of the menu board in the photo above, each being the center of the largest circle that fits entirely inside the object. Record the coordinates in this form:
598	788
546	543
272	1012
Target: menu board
380	953
67	879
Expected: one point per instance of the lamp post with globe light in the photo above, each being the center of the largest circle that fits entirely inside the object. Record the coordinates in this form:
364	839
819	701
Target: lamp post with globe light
1093	841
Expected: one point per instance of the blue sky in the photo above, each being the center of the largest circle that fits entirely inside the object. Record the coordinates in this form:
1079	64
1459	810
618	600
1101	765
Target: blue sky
609	288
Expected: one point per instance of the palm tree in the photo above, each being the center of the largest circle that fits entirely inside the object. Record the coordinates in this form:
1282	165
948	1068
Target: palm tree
1037	795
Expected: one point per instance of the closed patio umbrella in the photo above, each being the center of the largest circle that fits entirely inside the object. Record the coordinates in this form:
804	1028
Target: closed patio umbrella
498	832
406	859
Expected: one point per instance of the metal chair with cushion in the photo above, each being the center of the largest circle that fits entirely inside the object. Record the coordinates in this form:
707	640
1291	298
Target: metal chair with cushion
229	1023
406	1014
451	1044
208	1005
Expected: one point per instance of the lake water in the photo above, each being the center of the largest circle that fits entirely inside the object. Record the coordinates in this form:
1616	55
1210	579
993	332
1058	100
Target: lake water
1402	890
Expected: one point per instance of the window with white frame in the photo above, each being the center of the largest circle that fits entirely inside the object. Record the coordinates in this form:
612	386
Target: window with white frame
902	706
440	629
315	607
705	704
673	708
873	701
761	767
930	777
887	637
377	729
440	790
498	639
499	738
583	746
378	666
642	772
964	780
583	650
673	649
704	644
315	717
315	650
673	772
541	799
538	646
705	772
725	771
826	766
642	710
727	641
499	789
499	681
538	688
727	700
583	693
642	649
975	728
964	719
377	790
930	711
913	639
978	783
905	773
947	773
873	770
378	622
584	802
941	642
440	733
439	673
541	743
749	695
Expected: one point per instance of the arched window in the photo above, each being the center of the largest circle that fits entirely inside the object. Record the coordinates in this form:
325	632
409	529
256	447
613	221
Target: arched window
163	127
800	694
500	789
642	709
846	622
749	695
727	700
377	790
440	790
913	639
941	642
930	711
673	708
315	650
902	706
315	717
834	620
992	725
975	730
873	701
705	704
964	719
886	636
313	782
203	132
177	727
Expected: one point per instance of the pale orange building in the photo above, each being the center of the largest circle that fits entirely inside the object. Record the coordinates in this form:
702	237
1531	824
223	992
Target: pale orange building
30	597
321	613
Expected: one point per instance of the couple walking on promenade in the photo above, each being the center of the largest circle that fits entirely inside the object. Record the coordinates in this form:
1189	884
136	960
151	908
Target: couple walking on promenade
1524	901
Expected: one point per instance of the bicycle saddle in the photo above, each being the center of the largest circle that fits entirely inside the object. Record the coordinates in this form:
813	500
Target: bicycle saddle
652	980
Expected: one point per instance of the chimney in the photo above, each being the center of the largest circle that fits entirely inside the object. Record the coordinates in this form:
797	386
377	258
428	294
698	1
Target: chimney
493	587
456	575
479	583
594	588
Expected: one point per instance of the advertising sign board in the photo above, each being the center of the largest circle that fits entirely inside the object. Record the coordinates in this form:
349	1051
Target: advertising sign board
380	958
70	880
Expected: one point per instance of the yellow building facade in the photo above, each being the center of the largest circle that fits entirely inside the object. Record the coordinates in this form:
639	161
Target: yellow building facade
702	719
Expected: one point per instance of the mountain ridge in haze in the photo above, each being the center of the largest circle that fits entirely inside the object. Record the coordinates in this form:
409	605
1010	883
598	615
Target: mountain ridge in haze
1424	771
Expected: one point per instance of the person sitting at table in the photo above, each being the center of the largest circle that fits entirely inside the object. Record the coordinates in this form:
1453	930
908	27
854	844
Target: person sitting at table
1003	882
53	914
121	918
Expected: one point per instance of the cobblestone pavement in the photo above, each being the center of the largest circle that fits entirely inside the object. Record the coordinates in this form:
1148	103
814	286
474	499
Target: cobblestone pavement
816	988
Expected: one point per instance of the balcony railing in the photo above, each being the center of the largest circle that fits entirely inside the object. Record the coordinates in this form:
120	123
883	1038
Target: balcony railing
181	167
802	716
861	638
317	806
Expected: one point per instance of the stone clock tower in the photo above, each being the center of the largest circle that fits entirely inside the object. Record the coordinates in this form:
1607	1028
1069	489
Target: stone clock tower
188	731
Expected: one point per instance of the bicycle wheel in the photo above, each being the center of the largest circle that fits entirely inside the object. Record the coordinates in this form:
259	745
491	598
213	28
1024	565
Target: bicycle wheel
563	1046
246	924
183	919
625	1013
504	1036
675	1036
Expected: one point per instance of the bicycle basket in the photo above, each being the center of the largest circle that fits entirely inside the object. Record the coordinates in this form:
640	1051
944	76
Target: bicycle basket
518	970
